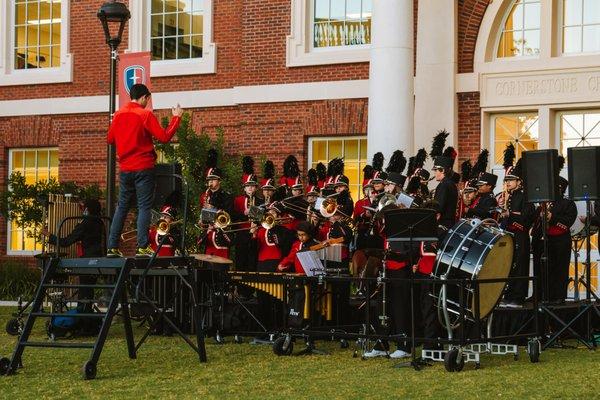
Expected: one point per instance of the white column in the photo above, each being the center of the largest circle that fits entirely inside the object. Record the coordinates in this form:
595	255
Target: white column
435	88
391	78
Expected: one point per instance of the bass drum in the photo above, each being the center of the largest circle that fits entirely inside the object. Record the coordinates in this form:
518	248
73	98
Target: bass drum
475	251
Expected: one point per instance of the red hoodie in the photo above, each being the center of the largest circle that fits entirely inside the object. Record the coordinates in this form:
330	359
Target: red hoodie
132	130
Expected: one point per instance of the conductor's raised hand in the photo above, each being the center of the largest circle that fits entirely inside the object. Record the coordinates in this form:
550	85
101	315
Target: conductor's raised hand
177	111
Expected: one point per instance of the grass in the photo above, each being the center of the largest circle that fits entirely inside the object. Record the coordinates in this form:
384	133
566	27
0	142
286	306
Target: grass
167	369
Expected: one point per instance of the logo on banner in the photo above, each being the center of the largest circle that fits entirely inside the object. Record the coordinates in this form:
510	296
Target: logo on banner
132	75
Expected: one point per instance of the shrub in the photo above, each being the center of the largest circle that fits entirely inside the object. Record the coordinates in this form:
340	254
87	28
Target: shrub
17	279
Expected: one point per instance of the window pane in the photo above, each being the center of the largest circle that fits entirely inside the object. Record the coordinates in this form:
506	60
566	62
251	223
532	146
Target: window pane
591	38
157	49
198	5
515	18
30	173
321	10
32	58
43	172
20	14
591	12
44	55
335	149
185	5
32	12
157	6
56	11
572	12
197	23
183	44
366	8
156	25
592	125
521	130
351	150
45	35
363	149
319	151
55	57
531	43
170	50
532	16
56	33
184	24
353	9
54	164
337	9
45	9
170	5
17	161
20	36
572	39
197	46
32	35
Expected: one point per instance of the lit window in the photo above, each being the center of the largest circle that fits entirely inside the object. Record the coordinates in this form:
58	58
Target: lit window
579	129
520	129
35	165
354	152
176	30
521	33
341	22
581	26
37	34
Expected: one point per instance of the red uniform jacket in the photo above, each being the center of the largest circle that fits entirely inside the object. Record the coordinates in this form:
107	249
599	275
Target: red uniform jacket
167	249
217	243
268	248
359	209
427	260
390	264
292	259
132	130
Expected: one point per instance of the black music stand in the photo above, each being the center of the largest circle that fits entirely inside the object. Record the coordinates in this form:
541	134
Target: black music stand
404	226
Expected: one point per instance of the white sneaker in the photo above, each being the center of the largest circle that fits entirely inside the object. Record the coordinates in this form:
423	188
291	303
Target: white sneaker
399	354
375	353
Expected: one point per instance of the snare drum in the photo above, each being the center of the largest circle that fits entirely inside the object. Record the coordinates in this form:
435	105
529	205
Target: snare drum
472	250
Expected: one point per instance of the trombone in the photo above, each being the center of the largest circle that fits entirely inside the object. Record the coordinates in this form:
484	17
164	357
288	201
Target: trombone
163	227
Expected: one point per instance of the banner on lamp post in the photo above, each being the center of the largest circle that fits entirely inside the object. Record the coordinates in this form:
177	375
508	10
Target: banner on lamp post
133	68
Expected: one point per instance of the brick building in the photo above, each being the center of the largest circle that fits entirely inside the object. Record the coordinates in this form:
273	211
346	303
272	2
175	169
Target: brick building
305	77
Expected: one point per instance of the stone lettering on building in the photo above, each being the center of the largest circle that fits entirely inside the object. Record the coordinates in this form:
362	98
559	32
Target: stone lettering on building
538	89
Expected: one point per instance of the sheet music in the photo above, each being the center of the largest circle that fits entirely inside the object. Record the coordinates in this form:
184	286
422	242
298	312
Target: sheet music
310	263
405	200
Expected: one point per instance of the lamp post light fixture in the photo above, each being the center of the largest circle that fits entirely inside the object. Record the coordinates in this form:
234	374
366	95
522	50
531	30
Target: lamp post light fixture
113	15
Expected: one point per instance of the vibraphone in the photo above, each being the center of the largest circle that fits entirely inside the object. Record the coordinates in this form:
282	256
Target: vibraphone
276	285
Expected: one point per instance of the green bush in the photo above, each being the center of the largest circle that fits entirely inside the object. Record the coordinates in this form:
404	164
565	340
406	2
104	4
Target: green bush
17	279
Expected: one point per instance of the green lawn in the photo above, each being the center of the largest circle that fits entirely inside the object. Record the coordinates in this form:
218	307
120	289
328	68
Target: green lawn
167	369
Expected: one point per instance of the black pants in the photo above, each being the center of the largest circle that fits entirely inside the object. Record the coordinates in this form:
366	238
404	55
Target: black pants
245	252
517	290
398	301
559	259
269	308
431	325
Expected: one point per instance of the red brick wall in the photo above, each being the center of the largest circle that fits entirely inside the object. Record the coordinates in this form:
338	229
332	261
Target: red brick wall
469	126
470	14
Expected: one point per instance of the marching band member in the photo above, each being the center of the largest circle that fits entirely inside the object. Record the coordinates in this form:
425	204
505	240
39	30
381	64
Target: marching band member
267	183
395	180
291	175
516	217
446	193
485	203
561	214
343	196
215	241
245	251
321	175
215	196
335	168
468	198
304	232
312	189
167	249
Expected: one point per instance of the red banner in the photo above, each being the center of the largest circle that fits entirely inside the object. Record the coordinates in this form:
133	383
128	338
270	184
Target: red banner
133	68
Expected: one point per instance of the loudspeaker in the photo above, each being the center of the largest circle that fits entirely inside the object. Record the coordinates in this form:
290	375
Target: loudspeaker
584	172
540	175
166	183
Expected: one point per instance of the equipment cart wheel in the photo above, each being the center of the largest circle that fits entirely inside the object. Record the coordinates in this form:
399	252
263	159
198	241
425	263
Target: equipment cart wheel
283	346
533	349
4	365
452	361
238	339
13	327
344	344
219	339
89	370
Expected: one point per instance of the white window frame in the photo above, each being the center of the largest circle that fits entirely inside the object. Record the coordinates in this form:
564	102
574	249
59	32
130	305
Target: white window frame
139	40
10	76
299	43
10	252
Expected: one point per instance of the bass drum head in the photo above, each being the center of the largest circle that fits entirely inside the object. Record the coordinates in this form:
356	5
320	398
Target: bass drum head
496	265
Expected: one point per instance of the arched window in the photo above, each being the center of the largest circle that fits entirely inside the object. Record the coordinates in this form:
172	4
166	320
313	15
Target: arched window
521	32
580	26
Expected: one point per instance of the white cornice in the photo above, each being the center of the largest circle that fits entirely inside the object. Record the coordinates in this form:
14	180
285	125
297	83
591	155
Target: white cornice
310	91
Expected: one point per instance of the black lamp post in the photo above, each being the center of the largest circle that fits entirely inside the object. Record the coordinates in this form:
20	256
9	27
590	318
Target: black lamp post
113	15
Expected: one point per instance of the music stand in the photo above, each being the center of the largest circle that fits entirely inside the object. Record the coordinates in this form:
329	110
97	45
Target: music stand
407	226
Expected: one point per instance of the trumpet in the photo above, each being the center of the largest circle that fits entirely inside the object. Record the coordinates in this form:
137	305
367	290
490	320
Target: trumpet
163	227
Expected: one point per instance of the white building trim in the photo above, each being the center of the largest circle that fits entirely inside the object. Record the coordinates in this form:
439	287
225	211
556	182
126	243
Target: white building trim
139	40
299	50
354	89
11	77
